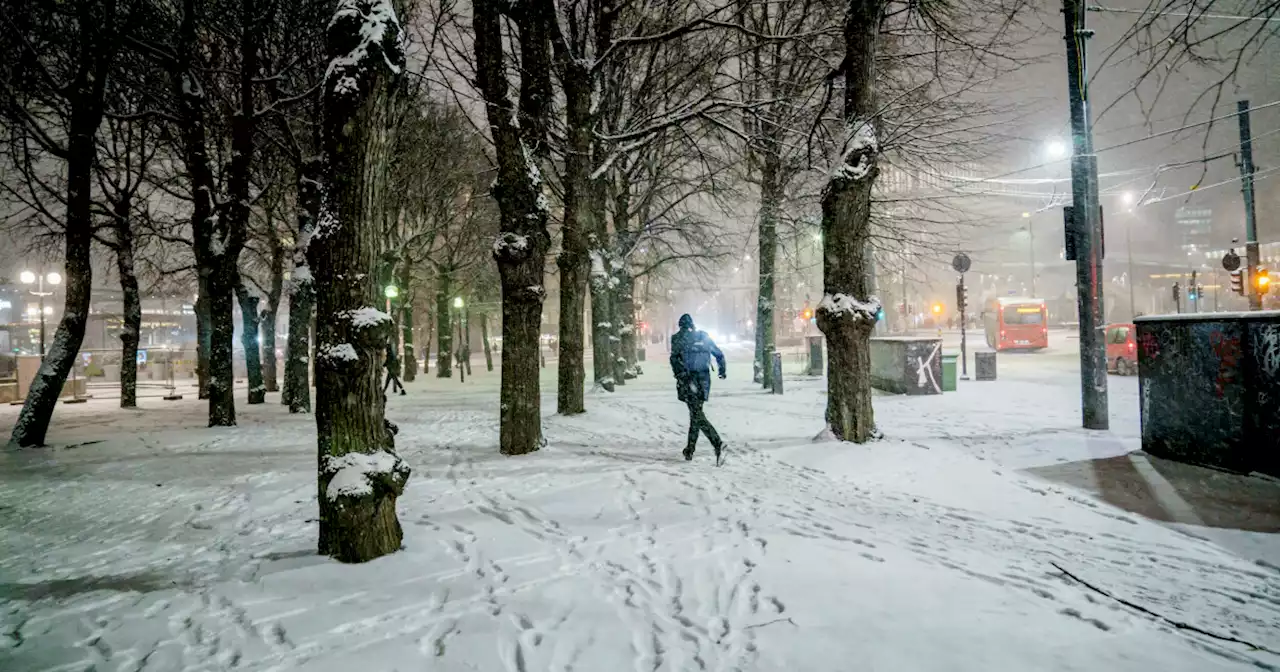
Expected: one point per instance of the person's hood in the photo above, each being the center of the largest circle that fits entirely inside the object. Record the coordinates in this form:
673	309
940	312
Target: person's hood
686	322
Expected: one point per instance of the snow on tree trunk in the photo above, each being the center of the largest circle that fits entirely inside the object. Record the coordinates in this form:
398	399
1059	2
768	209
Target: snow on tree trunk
522	242
297	379
618	318
626	293
770	202
847	313
444	325
270	316
46	387
601	325
249	339
484	336
573	261
132	317
360	475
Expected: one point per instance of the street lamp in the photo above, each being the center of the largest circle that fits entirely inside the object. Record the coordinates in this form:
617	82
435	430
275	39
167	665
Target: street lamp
391	292
1055	149
457	302
30	278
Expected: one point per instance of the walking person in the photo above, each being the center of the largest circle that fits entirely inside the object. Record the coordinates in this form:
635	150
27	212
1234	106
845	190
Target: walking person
691	353
393	371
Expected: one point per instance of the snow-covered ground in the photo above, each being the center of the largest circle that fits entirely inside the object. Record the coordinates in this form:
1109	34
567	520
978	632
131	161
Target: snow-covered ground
145	541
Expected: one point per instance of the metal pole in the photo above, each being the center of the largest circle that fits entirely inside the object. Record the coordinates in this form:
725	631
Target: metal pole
1031	254
1086	225
1128	244
964	356
1250	219
42	320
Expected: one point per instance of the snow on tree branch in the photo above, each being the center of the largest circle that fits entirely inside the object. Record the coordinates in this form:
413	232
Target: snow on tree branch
858	154
365	31
353	473
342	352
366	317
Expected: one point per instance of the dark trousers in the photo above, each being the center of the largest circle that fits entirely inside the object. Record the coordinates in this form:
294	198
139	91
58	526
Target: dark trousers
393	381
698	423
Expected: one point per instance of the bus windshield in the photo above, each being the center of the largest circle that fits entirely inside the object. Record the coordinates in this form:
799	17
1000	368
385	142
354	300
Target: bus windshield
1023	314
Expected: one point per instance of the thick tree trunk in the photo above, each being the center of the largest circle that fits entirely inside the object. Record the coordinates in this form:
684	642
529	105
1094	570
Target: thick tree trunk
602	351
771	193
847	314
465	347
297	378
360	475
618	320
249	339
222	402
574	262
46	387
132	317
444	328
484	336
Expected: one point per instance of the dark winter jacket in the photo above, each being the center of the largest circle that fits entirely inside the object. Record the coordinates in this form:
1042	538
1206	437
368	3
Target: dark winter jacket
691	353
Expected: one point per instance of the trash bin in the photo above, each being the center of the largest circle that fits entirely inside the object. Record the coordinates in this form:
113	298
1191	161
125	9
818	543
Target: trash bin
949	372
984	364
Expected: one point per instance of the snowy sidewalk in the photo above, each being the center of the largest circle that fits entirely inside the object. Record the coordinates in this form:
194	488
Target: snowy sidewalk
149	542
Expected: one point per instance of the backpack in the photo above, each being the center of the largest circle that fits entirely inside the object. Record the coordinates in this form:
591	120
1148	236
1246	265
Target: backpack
697	354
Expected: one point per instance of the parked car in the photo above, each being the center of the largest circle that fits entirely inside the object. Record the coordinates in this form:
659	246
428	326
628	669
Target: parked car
1122	349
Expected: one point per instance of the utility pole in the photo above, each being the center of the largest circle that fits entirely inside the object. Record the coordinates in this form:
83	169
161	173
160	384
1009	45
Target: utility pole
1085	225
1250	219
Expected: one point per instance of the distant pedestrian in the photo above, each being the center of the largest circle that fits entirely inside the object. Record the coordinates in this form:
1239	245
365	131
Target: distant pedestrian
393	371
691	353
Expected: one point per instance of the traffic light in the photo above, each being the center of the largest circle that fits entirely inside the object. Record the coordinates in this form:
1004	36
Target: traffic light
962	296
1262	281
1237	282
806	314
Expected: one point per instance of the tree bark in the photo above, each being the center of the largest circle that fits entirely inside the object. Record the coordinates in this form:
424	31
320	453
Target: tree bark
522	242
270	367
249	339
409	360
465	347
484	336
132	318
360	475
847	314
573	261
601	326
626	293
202	335
619	319
771	193
86	114
444	326
297	378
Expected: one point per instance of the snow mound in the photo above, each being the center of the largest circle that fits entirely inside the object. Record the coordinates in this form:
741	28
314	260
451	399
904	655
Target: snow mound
842	304
366	317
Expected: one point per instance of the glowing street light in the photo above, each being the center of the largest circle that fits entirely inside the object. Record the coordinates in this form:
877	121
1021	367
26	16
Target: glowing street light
457	302
1055	149
30	278
391	292
1026	215
1128	197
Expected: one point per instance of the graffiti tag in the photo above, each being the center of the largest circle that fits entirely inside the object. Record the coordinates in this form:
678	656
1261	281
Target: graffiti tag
1227	348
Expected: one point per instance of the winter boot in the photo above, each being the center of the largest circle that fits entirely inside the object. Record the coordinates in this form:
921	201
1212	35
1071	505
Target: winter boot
688	454
719	450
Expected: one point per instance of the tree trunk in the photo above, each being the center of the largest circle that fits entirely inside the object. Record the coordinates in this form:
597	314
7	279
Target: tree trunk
202	336
270	368
249	339
771	193
409	361
410	357
618	319
847	314
222	402
484	336
466	339
297	379
522	242
444	328
426	343
360	475
573	262
132	317
601	327
46	387
626	293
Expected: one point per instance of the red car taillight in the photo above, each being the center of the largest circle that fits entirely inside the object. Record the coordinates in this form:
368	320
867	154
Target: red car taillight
1132	345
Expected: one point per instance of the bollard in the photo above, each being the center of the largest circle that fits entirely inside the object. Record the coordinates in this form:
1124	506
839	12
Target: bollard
815	356
777	373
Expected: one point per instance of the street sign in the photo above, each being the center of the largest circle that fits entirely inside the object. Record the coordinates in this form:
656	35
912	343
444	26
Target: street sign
961	263
142	356
1231	261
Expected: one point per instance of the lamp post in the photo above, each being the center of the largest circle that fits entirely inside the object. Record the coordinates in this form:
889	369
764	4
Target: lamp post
29	278
1031	251
1128	199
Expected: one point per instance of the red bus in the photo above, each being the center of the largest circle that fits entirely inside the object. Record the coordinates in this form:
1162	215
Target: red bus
1014	323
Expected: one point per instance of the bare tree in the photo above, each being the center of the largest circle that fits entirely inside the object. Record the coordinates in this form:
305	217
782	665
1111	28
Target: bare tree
521	245
360	475
59	59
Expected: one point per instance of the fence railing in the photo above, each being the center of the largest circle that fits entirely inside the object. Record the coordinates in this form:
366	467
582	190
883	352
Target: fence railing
159	369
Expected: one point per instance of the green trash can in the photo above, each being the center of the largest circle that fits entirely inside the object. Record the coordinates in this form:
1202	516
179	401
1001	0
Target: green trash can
949	372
